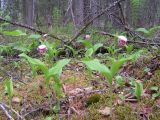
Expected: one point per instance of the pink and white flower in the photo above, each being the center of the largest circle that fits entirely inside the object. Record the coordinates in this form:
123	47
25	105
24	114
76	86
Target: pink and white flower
87	37
122	40
42	49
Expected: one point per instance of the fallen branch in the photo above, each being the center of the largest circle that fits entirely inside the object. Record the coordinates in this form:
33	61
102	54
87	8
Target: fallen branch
6	112
30	28
97	16
15	112
130	41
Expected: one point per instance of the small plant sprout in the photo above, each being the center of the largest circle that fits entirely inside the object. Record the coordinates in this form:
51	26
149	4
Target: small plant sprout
156	92
109	74
90	48
9	89
53	72
42	49
138	90
122	40
129	48
120	81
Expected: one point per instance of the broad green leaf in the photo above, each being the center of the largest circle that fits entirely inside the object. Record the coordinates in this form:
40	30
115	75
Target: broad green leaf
97	66
89	52
129	48
9	87
155	95
138	90
14	33
154	88
86	43
153	30
36	63
48	118
144	30
96	46
119	80
34	36
116	64
57	68
56	108
135	56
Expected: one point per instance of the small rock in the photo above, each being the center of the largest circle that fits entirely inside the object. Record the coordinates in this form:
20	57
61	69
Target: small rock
16	100
1	78
106	111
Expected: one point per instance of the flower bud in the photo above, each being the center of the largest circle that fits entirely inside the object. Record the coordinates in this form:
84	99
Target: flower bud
87	37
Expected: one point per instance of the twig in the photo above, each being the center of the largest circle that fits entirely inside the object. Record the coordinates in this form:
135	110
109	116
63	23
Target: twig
130	41
15	112
30	28
131	100
6	112
32	111
97	16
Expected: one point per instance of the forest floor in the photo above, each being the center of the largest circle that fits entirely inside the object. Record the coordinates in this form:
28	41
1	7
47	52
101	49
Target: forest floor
87	96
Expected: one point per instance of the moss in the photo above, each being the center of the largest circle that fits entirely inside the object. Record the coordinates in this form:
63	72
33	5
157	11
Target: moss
125	113
154	81
93	99
155	114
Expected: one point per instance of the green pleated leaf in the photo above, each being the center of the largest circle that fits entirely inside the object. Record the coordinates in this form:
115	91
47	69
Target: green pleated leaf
138	90
14	33
9	87
97	66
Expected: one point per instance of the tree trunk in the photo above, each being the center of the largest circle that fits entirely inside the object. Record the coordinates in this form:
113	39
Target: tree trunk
28	6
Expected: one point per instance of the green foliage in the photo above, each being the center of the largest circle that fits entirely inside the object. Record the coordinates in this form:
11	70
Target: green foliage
9	87
20	46
150	32
91	49
48	118
97	66
93	99
52	50
36	64
5	49
112	49
138	89
129	48
14	33
54	71
156	92
120	81
34	36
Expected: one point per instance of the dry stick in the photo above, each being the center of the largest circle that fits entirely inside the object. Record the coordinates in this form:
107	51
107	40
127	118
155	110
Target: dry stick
6	112
30	28
15	112
130	41
88	23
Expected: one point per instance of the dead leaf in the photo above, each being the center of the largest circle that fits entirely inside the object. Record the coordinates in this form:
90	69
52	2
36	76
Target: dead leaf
16	100
106	111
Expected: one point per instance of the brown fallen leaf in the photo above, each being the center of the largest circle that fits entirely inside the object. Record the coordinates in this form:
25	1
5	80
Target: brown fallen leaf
106	111
16	100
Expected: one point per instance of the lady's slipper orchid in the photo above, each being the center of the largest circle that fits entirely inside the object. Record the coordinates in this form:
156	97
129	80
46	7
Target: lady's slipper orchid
42	49
122	40
87	37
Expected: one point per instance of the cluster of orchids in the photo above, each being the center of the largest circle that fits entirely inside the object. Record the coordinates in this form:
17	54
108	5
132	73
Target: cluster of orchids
122	40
